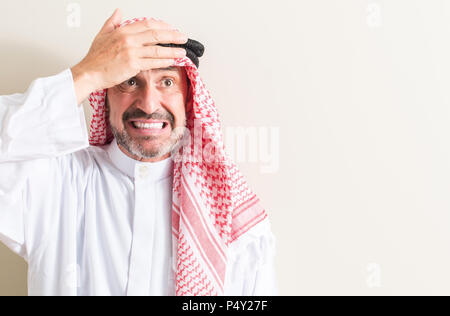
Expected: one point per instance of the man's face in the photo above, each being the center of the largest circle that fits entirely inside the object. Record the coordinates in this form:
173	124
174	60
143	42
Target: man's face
147	113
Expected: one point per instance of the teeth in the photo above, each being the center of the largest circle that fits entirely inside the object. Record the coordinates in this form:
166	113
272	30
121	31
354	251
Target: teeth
148	125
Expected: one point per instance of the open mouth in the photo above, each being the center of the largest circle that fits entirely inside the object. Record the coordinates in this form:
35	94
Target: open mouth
148	127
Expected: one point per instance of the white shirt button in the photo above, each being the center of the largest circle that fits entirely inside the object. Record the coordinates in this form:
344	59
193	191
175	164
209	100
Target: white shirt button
143	172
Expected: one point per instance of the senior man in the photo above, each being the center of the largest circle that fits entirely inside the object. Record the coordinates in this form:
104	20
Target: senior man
148	202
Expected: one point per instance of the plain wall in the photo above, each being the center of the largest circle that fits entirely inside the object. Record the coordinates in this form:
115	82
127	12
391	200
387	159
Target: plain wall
358	91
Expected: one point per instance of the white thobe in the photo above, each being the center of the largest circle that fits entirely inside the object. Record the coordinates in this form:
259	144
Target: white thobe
91	220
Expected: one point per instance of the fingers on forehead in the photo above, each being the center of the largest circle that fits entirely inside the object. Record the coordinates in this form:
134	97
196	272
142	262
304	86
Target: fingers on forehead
152	37
149	24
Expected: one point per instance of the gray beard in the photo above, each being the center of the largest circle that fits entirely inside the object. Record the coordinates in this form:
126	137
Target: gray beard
137	150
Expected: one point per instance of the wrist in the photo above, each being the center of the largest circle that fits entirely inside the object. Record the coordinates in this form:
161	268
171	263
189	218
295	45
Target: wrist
84	81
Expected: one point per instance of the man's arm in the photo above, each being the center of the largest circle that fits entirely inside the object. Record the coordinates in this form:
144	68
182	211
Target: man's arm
265	281
47	121
251	270
43	122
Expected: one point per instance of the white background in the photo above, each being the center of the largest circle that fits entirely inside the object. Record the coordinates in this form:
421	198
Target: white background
359	90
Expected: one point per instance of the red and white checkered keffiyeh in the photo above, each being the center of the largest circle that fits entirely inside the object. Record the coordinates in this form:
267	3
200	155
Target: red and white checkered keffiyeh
212	203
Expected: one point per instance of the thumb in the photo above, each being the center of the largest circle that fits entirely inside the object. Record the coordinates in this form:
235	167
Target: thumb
113	22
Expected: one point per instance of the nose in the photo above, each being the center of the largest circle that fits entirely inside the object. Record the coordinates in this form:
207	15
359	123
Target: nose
150	99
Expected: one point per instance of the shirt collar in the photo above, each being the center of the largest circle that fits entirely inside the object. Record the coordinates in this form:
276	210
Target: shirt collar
155	170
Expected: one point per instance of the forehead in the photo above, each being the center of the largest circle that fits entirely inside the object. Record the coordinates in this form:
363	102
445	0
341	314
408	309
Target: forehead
173	70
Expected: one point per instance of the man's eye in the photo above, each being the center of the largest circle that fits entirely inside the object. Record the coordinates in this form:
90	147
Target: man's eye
168	82
131	82
127	85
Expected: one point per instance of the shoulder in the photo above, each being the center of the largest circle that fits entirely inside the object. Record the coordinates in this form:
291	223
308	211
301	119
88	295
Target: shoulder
78	163
91	154
256	246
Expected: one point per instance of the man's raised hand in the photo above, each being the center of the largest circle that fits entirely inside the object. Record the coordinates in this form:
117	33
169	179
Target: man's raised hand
117	54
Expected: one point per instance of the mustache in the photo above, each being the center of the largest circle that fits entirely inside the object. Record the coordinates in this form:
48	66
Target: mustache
139	114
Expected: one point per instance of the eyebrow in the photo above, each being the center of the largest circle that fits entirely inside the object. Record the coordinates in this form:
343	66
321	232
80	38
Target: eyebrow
171	68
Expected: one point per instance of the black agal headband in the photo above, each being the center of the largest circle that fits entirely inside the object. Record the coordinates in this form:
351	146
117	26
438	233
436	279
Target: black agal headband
194	50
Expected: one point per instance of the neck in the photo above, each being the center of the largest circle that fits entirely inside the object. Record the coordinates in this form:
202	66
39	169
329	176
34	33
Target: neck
156	159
